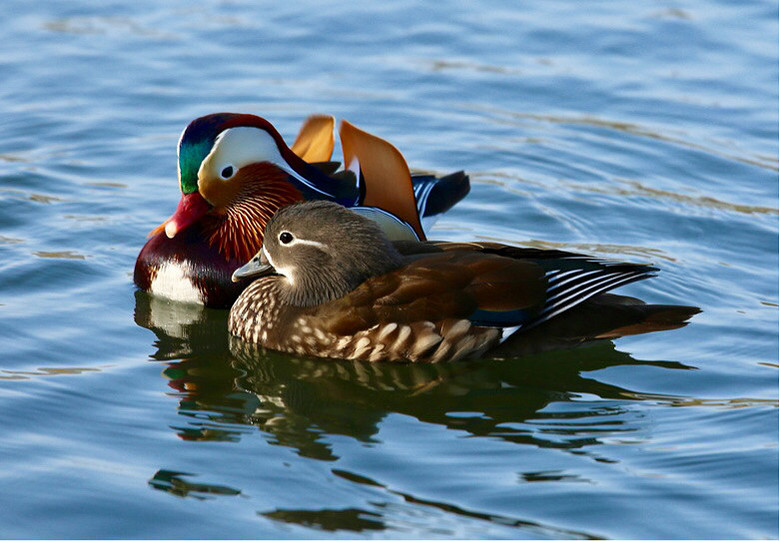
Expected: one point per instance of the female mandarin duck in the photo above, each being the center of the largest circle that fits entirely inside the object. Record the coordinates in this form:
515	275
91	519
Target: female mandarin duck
235	171
338	288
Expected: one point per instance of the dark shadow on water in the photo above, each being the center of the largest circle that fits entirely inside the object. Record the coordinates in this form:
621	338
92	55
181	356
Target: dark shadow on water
361	520
177	483
330	520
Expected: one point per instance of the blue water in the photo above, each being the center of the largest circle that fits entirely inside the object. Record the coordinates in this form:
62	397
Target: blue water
639	131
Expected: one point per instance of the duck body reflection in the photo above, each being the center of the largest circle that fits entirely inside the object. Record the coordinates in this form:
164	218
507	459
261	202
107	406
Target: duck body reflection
297	398
229	391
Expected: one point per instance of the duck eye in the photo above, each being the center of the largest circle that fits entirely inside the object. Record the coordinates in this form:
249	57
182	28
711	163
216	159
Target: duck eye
227	172
285	237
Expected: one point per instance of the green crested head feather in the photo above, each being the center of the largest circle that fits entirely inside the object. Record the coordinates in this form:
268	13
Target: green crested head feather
190	157
195	145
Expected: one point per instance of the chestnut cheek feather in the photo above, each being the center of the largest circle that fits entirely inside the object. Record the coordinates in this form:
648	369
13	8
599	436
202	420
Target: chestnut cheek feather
220	193
262	190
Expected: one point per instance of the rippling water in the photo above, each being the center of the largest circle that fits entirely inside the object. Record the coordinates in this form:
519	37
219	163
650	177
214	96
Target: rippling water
646	132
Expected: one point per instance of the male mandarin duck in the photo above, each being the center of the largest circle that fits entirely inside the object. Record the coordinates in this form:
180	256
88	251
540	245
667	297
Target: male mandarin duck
235	171
333	285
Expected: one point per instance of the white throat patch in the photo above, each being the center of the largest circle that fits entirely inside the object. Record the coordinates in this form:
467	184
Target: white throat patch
287	272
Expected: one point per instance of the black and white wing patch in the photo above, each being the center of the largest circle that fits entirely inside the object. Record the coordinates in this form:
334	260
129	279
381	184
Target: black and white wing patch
569	287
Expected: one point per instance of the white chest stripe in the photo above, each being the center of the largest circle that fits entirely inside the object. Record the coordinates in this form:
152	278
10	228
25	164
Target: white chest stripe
172	281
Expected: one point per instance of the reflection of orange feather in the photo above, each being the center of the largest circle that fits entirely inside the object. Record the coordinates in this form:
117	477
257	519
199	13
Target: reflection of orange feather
315	140
265	189
386	175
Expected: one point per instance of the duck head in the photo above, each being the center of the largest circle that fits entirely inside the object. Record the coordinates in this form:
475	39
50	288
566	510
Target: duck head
322	251
237	168
235	171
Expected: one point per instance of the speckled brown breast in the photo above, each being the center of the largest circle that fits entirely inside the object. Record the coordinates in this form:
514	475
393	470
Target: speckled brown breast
259	316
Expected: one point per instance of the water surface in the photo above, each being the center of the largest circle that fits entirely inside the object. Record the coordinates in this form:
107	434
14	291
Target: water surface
645	132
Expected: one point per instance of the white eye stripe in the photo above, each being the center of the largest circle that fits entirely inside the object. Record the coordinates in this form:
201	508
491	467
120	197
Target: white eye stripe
307	242
242	146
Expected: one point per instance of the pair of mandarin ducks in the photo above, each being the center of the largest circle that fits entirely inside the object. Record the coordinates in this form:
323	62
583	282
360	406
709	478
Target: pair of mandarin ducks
340	261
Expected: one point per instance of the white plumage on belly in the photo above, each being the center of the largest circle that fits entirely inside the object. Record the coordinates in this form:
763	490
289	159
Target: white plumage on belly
172	281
